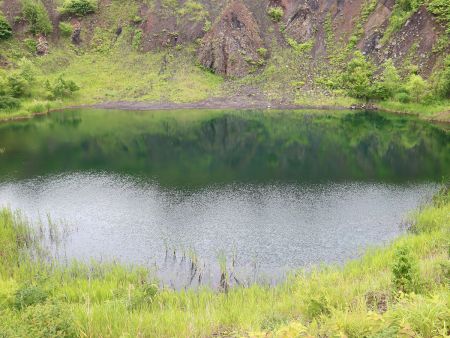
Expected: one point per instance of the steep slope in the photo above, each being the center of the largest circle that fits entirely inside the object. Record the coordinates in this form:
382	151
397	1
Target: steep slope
276	50
233	44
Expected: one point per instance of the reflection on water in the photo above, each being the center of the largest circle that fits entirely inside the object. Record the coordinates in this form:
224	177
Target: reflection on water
273	191
198	148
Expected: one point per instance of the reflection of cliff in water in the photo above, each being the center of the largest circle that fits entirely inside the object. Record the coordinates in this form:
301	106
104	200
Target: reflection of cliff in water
224	147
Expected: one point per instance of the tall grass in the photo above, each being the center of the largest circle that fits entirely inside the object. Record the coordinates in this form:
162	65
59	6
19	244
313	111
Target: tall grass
45	299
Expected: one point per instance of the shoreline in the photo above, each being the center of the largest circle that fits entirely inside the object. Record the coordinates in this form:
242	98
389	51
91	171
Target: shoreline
220	103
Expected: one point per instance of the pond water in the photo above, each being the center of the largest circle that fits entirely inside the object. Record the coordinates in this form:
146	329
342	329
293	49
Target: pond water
267	191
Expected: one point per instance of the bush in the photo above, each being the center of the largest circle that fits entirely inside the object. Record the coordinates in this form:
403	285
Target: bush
8	102
358	78
441	9
29	295
275	13
36	15
78	7
66	29
5	29
391	80
402	97
404	270
49	321
137	39
441	85
262	52
62	88
27	70
18	86
416	87
3	83
31	45
38	107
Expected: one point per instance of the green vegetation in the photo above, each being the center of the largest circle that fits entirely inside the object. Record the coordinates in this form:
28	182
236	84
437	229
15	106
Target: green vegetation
275	13
359	77
5	28
35	13
301	48
441	9
394	291
79	7
66	29
25	91
360	81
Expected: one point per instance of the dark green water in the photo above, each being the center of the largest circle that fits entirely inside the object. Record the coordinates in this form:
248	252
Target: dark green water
198	148
280	190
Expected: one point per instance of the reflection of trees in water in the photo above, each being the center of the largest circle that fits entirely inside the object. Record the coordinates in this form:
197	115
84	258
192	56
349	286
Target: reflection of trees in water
239	147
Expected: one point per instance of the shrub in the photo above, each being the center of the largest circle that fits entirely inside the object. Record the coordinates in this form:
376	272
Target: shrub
47	320
8	102
27	70
441	84
66	29
275	13
441	9
262	52
29	295
78	7
301	48
137	39
3	83
402	97
62	88
18	86
39	107
141	296
404	270
391	80
317	307
136	20
31	45
357	79
37	17
416	87
5	29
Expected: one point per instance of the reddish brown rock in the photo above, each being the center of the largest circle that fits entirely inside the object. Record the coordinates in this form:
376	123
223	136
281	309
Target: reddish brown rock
42	46
231	47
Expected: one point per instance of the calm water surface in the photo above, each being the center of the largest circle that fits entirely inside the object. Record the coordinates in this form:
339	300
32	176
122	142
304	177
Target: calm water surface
271	191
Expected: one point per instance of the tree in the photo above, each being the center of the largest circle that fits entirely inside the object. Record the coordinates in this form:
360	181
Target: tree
5	29
390	82
416	87
37	16
442	81
358	77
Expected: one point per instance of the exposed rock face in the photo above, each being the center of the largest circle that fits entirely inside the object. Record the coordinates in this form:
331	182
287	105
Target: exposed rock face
415	40
303	23
76	34
231	47
42	46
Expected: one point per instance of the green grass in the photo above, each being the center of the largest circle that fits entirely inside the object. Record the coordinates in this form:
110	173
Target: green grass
40	299
132	76
438	110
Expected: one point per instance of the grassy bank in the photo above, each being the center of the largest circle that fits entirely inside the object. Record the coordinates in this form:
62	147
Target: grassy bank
397	291
33	84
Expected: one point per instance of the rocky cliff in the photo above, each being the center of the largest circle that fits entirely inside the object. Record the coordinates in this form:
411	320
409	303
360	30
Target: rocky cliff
234	38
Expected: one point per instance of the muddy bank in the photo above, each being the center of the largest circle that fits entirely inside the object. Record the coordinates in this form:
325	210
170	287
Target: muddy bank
240	102
207	104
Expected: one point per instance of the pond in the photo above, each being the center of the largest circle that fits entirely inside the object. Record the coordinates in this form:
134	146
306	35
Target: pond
263	191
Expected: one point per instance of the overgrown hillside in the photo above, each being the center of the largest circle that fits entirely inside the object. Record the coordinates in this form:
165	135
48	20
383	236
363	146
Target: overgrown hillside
285	51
